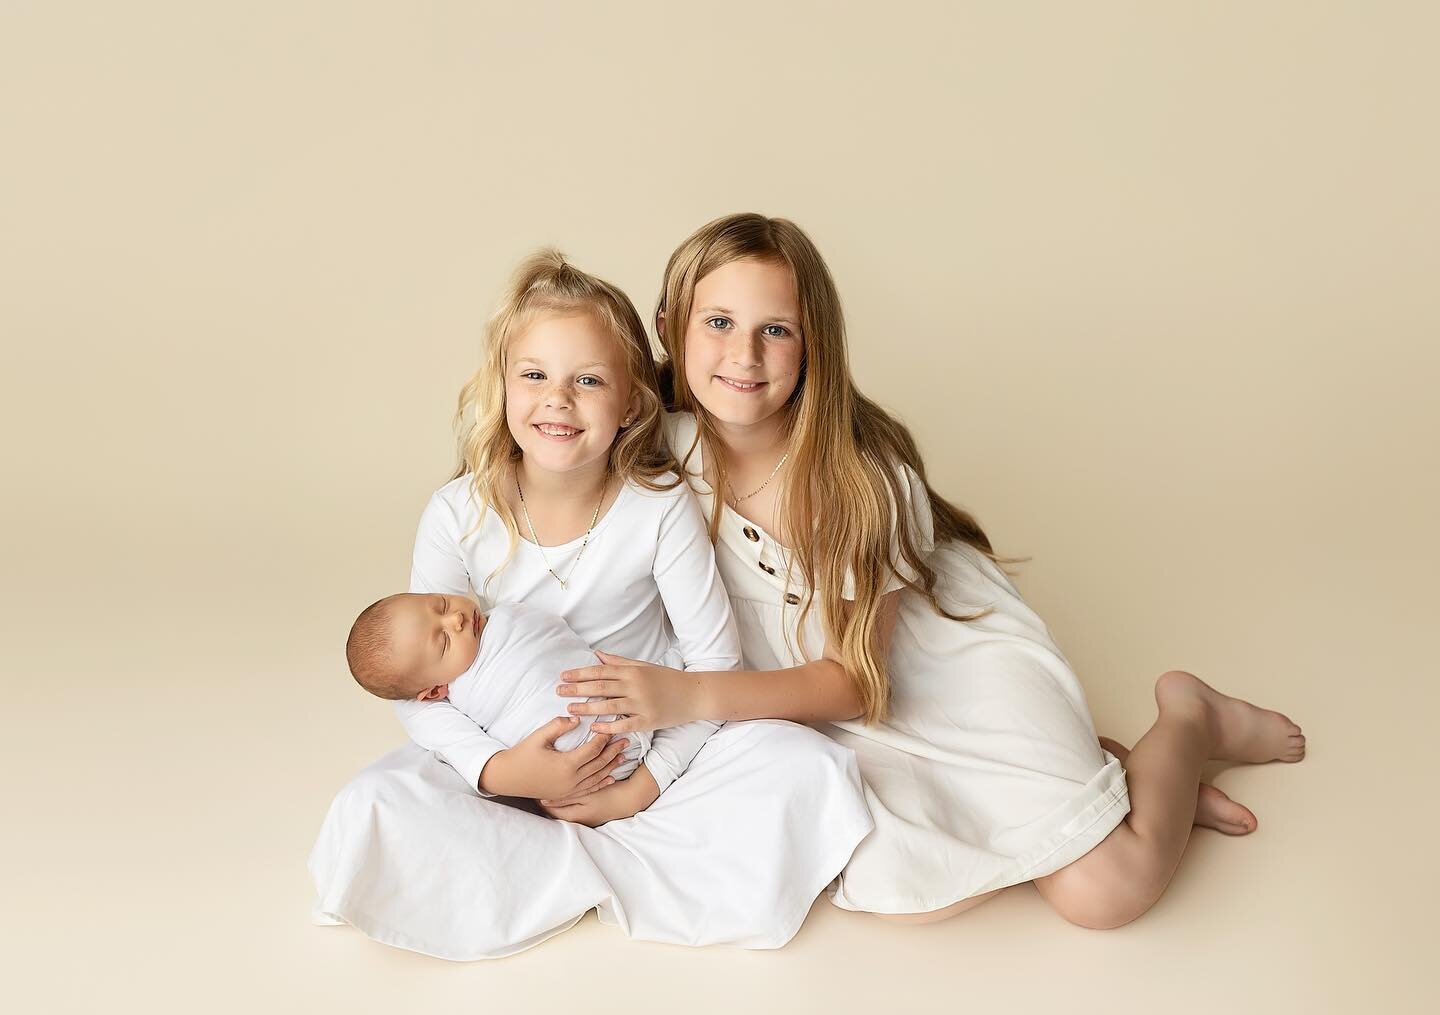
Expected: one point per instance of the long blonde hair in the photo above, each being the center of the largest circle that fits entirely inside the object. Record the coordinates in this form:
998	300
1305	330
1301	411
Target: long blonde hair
845	451
546	285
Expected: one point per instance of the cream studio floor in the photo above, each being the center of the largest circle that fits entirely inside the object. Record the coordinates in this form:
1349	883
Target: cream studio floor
1152	284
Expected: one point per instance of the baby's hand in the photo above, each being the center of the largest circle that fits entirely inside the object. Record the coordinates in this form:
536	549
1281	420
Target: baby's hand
621	800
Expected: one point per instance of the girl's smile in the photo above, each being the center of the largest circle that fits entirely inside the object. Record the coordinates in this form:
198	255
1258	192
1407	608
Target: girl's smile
744	387
558	431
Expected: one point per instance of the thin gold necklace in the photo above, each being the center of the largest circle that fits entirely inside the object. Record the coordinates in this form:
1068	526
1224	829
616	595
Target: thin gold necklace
531	526
773	473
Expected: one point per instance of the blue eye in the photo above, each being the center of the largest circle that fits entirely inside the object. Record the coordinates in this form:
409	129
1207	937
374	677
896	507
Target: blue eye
590	381
777	331
718	323
533	375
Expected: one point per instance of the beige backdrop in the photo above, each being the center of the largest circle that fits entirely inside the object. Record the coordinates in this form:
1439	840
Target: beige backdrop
1153	283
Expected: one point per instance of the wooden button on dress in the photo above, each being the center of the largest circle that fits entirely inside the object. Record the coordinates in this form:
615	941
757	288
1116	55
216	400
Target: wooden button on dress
751	534
792	599
766	568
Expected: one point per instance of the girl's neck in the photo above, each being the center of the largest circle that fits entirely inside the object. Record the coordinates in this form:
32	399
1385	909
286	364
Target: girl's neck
581	486
764	439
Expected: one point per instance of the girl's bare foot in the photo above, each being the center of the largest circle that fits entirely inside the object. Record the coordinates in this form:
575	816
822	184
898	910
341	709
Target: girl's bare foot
1242	731
1213	809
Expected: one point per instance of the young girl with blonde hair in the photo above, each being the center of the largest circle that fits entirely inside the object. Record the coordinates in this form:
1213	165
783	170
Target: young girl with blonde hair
566	499
871	606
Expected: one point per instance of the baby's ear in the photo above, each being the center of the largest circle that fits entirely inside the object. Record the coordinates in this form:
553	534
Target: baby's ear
433	693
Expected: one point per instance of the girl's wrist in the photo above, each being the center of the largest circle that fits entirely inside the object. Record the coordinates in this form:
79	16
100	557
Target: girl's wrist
493	777
703	703
640	791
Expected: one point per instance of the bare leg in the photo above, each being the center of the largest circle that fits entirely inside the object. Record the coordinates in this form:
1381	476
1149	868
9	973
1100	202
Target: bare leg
1124	876
936	915
1213	809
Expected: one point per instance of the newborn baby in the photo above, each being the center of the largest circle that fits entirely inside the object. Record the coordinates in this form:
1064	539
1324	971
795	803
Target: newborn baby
500	669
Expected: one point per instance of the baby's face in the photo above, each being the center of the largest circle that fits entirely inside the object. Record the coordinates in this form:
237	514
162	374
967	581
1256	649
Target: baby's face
435	638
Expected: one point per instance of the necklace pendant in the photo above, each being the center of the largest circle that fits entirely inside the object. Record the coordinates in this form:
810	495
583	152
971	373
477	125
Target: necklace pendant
583	543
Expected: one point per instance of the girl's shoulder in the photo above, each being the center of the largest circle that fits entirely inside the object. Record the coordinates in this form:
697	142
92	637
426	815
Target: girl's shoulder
678	424
681	432
680	429
667	488
458	495
460	485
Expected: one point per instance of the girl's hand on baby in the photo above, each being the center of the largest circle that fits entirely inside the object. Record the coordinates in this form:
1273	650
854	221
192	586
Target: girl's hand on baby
622	800
533	768
647	697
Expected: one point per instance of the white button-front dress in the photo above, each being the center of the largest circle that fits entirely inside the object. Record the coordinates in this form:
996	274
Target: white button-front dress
987	771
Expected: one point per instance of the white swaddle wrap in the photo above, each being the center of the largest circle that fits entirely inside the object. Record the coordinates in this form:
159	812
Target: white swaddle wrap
510	688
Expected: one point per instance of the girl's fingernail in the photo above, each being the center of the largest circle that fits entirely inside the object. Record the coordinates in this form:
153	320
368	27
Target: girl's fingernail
573	708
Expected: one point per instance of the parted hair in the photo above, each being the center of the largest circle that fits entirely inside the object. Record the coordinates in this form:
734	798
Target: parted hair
845	451
547	285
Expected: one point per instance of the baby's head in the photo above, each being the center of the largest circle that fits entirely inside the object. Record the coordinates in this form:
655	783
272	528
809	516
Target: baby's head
412	645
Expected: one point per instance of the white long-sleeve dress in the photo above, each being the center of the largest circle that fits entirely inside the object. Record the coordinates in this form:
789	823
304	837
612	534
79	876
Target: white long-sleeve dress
509	690
987	772
755	820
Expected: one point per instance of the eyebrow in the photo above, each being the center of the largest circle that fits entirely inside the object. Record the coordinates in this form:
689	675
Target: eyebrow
582	366
776	318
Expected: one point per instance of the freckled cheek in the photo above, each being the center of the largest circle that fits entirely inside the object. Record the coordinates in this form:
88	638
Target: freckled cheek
517	412
697	372
786	371
518	402
701	358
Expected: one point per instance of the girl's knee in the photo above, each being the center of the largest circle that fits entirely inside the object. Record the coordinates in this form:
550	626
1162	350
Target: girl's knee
373	787
1173	677
1099	914
1096	895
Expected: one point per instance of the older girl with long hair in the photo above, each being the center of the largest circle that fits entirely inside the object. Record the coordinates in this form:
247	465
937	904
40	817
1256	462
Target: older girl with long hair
871	606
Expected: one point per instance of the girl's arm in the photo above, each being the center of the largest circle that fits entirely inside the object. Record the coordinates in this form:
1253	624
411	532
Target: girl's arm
698	608
816	691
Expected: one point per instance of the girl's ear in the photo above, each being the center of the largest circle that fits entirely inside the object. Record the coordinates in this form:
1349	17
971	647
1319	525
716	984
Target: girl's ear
660	326
633	406
433	693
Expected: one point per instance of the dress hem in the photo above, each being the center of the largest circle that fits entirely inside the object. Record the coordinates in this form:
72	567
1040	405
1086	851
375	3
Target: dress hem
1077	836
